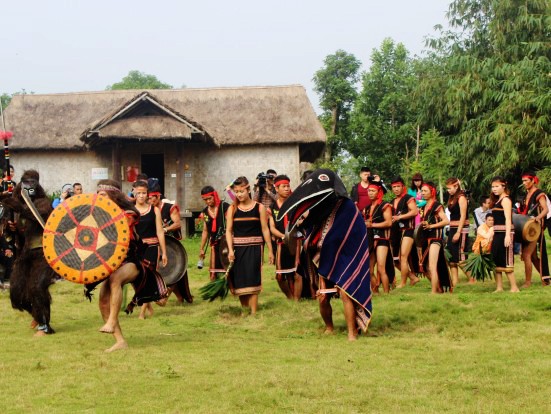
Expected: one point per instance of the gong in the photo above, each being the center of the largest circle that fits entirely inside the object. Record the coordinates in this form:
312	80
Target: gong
177	261
86	238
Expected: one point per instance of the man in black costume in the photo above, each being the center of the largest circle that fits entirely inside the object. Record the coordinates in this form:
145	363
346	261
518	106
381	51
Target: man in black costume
31	276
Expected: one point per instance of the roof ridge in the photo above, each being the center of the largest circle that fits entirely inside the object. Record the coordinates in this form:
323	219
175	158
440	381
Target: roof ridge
122	91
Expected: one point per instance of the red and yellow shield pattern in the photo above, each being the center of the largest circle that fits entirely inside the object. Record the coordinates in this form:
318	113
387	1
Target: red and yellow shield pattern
86	238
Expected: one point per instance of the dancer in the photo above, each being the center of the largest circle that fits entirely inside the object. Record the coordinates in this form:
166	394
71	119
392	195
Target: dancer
287	278
535	205
148	285
151	231
378	220
246	232
405	211
31	275
335	254
502	245
214	229
459	227
433	221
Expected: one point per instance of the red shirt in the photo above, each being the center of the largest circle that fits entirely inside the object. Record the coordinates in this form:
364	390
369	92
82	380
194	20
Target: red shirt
363	198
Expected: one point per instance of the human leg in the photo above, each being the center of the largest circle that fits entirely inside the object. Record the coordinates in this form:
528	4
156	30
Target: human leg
326	312
528	249
381	254
499	281
512	281
124	274
253	303
297	293
434	251
405	271
349	316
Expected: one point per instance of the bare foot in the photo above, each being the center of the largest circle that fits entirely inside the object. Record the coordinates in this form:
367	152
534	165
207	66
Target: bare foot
413	281
161	303
34	324
515	290
472	281
118	346
39	333
401	285
526	284
352	337
107	328
142	317
328	331
498	290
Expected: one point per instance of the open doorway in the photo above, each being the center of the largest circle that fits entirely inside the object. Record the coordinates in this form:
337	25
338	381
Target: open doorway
154	166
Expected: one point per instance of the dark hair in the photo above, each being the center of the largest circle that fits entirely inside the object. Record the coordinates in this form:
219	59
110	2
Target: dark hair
493	198
416	176
140	183
77	184
483	199
207	189
281	177
398	179
455	197
142	177
117	196
241	181
268	172
490	214
365	169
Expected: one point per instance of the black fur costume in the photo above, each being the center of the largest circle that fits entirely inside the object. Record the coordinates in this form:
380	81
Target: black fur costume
31	275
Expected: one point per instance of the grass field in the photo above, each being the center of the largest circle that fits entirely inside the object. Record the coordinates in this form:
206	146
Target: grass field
472	351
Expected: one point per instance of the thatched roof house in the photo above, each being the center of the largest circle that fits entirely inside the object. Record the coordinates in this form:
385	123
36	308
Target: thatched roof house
206	136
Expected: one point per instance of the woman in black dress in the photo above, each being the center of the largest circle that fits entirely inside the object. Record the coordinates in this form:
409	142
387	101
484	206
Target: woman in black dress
459	227
502	245
246	232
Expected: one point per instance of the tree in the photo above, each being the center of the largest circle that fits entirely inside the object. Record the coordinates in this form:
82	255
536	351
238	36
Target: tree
5	99
435	161
335	84
139	80
383	123
490	94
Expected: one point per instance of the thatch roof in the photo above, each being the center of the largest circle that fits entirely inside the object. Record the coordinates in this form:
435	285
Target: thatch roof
224	116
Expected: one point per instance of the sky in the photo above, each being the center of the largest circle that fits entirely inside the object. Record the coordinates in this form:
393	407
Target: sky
72	46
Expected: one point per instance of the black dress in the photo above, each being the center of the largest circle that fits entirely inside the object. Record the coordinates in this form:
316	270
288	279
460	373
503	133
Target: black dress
457	250
503	256
532	207
248	243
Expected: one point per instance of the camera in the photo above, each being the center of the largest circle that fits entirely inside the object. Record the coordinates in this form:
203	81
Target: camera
261	179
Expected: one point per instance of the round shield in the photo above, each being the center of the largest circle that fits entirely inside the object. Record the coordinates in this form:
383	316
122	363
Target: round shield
177	261
223	252
86	238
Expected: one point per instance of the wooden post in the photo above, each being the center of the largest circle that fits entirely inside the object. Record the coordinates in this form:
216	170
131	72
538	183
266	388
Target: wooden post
116	161
180	188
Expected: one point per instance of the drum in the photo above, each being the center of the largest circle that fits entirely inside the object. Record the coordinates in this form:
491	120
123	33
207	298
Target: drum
177	262
86	238
420	236
526	228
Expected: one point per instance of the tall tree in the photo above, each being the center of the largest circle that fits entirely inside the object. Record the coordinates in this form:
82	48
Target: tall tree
490	96
383	124
335	83
5	99
139	80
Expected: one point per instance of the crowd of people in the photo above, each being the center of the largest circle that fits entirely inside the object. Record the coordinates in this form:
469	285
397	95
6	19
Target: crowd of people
324	241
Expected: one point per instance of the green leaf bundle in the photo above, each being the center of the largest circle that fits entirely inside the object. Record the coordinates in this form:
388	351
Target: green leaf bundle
218	288
481	266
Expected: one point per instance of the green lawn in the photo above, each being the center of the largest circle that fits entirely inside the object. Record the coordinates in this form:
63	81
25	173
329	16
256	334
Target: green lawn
472	351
